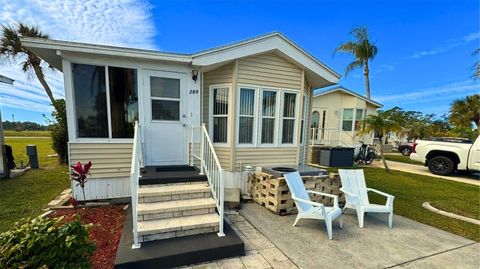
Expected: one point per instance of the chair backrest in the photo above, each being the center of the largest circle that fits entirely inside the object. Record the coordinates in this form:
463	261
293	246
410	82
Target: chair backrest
297	189
353	180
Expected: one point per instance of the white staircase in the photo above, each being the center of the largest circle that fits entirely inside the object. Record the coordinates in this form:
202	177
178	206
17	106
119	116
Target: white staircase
175	210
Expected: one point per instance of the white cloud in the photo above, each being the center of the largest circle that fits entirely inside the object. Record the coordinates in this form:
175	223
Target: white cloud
429	94
450	45
126	23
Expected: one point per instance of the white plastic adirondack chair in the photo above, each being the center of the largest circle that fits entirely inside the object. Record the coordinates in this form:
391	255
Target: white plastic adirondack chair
312	210
356	194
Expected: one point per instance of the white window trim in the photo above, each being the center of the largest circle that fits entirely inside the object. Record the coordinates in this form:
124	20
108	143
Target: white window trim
255	117
108	139
354	115
210	112
295	119
276	117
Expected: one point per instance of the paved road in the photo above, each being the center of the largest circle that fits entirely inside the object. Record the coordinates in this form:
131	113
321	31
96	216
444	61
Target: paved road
409	244
422	170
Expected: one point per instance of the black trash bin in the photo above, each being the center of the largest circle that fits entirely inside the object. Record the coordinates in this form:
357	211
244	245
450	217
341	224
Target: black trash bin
336	156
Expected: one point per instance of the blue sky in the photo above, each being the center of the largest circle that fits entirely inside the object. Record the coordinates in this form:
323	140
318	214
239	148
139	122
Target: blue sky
424	58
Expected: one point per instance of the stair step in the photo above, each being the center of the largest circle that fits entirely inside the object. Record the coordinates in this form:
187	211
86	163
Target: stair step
173	192
177	227
176	208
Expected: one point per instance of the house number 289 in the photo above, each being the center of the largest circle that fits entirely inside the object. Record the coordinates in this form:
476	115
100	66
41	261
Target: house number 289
193	92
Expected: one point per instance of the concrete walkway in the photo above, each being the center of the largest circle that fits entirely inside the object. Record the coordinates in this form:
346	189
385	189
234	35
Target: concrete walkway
422	170
409	244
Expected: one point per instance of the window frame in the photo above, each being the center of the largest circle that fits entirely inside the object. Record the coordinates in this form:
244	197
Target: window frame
156	98
255	116
354	117
109	139
295	119
210	112
276	125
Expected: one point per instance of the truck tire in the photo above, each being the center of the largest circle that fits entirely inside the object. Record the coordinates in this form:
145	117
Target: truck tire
441	165
406	151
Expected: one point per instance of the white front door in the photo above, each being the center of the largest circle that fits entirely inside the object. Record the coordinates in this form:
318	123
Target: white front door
165	118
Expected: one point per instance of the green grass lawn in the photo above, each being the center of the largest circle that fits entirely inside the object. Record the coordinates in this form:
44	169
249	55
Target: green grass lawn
26	195
400	158
10	133
412	190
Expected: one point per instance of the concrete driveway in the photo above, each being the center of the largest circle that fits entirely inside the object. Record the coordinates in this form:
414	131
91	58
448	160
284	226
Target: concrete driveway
422	170
409	244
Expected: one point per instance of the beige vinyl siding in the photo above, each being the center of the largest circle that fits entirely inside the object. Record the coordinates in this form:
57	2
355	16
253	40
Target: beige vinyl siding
221	75
269	70
224	154
265	156
109	160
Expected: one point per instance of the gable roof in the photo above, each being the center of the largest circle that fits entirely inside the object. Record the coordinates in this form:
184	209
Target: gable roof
318	74
347	91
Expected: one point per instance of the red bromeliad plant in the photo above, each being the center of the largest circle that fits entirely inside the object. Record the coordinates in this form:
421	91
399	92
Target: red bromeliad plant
79	173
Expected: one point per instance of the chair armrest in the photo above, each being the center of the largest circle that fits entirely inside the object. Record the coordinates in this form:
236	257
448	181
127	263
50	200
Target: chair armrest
335	197
319	206
348	193
390	197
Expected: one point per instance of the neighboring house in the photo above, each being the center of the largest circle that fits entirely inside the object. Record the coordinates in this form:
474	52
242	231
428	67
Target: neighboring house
336	117
251	95
6	80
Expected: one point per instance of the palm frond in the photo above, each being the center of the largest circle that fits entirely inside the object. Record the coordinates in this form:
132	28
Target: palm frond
349	47
353	65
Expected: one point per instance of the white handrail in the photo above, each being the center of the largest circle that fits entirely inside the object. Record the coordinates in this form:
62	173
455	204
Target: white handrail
204	157
137	160
332	137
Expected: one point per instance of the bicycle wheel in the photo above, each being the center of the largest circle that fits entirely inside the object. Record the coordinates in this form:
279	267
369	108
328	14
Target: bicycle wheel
369	158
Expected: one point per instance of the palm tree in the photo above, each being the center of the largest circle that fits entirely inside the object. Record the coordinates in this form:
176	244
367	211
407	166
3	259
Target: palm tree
11	47
465	111
476	66
363	50
381	124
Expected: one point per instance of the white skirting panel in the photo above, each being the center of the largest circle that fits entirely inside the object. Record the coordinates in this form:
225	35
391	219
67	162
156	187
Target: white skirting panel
103	188
236	180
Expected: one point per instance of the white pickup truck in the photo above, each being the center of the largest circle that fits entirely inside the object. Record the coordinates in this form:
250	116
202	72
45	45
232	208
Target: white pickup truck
445	155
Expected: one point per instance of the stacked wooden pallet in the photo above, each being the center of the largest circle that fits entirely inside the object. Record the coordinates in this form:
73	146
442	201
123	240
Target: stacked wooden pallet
273	193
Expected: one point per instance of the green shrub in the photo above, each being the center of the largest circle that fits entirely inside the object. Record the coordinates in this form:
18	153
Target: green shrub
59	130
46	243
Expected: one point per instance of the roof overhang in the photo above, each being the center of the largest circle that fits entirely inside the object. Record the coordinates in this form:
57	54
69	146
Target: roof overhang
51	51
349	92
318	74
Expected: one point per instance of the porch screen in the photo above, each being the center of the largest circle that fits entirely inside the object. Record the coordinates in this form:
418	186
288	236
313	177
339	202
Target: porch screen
289	102
246	116
90	97
220	115
123	101
269	104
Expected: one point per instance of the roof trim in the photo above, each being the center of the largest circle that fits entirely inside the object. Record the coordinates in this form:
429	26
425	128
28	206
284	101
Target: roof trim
347	91
104	49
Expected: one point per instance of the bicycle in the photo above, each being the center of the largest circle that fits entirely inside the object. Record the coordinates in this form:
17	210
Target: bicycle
366	155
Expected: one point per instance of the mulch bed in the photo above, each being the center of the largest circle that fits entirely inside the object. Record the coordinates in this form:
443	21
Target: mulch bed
106	231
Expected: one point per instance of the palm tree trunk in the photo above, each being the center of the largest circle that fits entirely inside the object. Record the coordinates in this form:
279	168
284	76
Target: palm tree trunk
367	79
41	78
383	156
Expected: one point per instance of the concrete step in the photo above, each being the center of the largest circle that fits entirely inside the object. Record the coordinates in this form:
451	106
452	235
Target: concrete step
173	192
175	208
177	227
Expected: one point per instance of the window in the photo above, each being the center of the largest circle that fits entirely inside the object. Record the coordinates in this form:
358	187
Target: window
359	116
347	122
220	114
165	94
90	97
123	90
288	119
269	111
92	110
246	116
302	125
